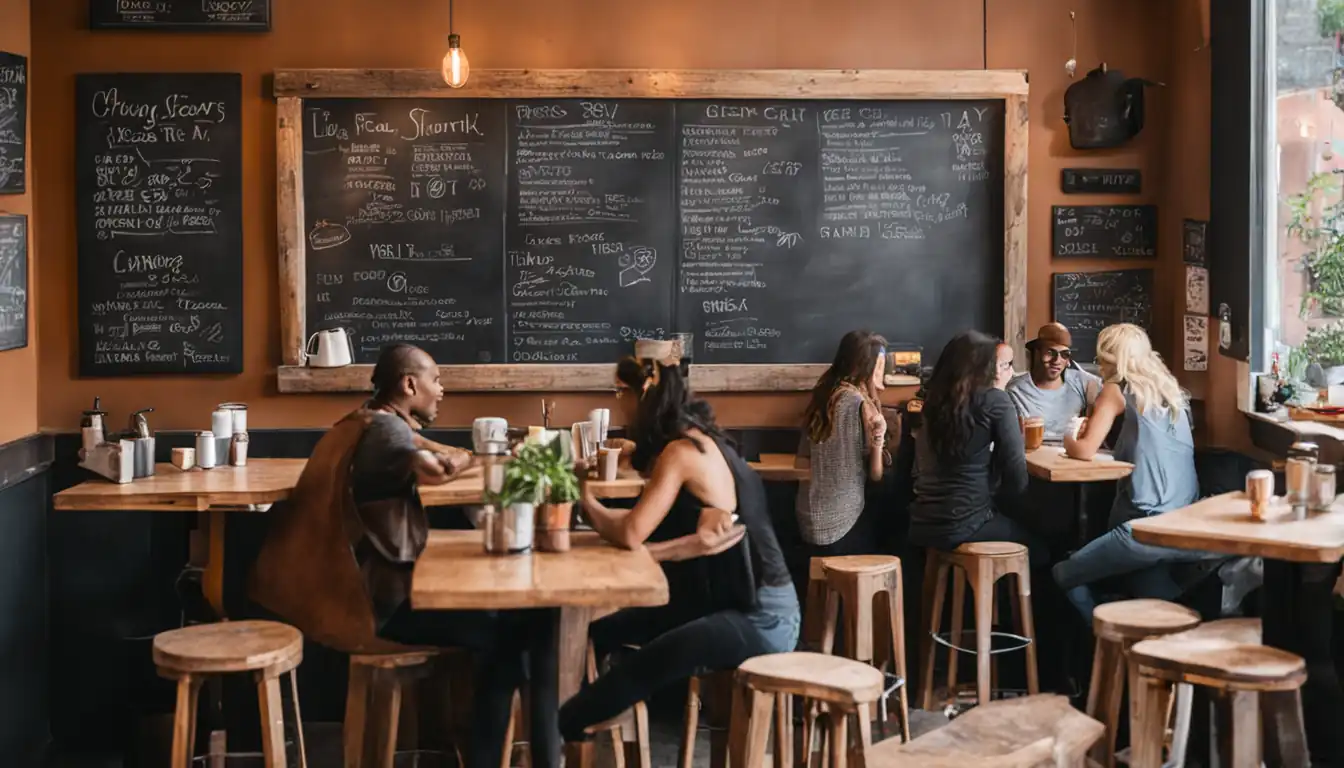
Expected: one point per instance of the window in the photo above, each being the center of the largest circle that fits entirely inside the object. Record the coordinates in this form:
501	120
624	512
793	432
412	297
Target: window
1302	293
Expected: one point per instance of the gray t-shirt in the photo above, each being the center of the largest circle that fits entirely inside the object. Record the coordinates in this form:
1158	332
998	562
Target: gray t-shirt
831	502
1057	406
383	462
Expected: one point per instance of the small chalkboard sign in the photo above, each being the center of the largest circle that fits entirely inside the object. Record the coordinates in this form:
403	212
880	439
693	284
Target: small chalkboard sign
13	122
1105	231
181	15
1106	181
158	181
1086	302
1194	242
13	281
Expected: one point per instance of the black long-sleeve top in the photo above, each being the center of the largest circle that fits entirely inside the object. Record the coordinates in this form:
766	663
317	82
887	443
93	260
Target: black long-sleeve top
950	500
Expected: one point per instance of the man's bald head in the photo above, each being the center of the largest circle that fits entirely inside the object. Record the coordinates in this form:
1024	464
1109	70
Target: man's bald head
407	378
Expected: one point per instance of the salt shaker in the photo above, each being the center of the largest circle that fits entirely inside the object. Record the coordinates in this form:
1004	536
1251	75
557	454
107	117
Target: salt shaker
1322	488
238	450
205	449
1260	491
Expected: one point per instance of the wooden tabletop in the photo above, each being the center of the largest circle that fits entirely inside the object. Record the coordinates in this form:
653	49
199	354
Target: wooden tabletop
1049	463
454	572
780	467
1223	524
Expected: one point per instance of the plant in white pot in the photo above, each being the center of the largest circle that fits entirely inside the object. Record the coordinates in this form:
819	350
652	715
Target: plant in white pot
1324	351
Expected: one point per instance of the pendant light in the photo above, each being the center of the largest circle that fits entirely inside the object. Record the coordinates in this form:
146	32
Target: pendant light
455	66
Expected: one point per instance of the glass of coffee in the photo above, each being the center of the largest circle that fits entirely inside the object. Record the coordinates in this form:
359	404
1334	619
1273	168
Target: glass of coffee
1033	432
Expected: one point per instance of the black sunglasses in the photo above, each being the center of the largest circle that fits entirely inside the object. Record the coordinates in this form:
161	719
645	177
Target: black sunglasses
1050	355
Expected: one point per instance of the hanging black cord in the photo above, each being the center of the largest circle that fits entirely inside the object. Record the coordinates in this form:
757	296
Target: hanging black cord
451	30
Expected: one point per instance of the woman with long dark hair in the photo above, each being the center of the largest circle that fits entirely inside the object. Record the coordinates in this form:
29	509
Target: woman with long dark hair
845	443
703	510
970	440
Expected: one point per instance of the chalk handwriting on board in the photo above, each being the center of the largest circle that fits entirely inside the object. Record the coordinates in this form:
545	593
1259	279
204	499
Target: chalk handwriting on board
181	15
13	123
13	281
159	183
1086	302
1105	231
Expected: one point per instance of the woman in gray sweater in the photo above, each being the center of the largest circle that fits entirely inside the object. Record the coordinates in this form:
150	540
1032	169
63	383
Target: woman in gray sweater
845	439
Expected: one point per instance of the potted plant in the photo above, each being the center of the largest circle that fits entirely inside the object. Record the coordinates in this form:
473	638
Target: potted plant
562	490
1316	218
511	527
1323	349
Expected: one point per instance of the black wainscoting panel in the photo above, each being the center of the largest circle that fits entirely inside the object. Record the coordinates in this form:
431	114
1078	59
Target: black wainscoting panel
24	726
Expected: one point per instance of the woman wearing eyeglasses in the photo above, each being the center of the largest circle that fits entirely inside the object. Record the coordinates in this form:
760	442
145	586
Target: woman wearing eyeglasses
1055	390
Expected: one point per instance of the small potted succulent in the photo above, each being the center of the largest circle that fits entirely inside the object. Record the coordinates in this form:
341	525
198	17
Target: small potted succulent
562	490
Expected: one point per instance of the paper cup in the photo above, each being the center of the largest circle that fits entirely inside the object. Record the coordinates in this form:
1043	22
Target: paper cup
611	459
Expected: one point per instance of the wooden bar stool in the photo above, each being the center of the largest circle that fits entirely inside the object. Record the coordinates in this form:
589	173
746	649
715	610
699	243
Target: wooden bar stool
1117	627
814	605
982	564
268	649
717	687
373	704
855	581
764	688
1252	682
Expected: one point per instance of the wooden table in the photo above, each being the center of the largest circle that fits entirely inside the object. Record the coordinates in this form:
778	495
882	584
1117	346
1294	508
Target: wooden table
1050	464
1302	562
455	573
780	467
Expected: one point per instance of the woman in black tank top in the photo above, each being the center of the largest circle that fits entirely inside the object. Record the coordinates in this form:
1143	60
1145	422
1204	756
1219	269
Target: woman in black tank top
731	597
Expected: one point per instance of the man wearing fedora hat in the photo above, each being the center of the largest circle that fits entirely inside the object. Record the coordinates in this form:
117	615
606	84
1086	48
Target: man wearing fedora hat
1053	388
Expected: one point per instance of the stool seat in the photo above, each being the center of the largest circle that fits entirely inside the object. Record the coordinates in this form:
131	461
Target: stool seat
1141	619
1242	631
1221	657
409	658
229	646
990	549
858	563
817	676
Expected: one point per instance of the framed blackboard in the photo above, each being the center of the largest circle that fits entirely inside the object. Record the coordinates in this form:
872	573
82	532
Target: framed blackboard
765	226
1113	181
1104	231
181	15
1086	302
1194	242
13	281
13	123
158	170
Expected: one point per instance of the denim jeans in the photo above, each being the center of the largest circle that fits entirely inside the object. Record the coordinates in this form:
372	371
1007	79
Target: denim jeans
671	651
1145	568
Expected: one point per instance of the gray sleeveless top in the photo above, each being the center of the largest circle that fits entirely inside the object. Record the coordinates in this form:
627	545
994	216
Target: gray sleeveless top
1163	455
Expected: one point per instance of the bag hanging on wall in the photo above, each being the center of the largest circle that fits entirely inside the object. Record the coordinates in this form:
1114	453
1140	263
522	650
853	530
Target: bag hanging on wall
1104	109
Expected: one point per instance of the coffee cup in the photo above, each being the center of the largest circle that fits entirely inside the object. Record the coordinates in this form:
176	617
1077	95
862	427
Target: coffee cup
610	461
1033	432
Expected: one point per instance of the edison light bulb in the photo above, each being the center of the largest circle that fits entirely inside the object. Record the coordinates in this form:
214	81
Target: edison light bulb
455	66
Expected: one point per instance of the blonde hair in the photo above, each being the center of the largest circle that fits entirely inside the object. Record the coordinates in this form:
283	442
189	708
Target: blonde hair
1127	348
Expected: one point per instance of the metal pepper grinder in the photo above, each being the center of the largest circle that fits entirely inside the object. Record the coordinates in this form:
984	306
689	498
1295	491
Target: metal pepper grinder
143	442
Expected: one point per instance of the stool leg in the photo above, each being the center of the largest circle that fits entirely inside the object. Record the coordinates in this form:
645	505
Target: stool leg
691	721
298	717
272	720
1238	729
1180	732
814	611
1148	727
862	714
896	600
356	715
935	622
832	621
783	730
1285	737
958	614
643	757
184	720
983	588
390	713
1028	629
1103	698
837	736
578	754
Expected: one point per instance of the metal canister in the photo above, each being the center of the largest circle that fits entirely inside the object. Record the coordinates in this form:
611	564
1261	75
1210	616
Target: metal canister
221	422
1322	487
238	450
205	449
1297	476
1304	449
239	413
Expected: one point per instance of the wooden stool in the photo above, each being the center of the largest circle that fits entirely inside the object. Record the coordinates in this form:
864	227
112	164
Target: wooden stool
765	685
378	682
1024	732
638	752
719	686
983	564
268	649
1117	627
814	605
1227	657
854	581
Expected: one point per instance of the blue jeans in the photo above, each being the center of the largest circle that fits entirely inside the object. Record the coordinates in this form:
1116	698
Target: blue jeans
1117	553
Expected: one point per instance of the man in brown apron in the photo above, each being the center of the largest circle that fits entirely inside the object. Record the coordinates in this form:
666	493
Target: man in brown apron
338	557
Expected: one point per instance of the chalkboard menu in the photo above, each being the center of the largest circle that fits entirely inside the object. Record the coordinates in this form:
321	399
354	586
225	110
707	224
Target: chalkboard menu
13	281
1116	181
557	231
404	204
1086	302
13	122
1105	231
159	184
181	15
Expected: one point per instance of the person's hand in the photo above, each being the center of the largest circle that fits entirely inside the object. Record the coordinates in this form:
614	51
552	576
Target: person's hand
713	542
877	426
454	461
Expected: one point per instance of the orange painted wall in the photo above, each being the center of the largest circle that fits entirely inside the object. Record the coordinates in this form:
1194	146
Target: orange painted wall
935	34
18	367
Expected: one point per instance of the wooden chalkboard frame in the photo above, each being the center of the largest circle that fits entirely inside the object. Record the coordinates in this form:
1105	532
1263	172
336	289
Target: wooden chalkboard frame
292	86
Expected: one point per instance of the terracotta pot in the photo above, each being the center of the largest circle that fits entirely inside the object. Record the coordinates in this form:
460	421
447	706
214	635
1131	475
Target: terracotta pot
553	522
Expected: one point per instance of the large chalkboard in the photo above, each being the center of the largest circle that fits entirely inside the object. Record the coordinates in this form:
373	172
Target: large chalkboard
766	228
13	123
181	15
158	164
13	281
1086	302
1105	231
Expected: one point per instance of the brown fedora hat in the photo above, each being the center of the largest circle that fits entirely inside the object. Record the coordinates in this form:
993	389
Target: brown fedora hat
1052	334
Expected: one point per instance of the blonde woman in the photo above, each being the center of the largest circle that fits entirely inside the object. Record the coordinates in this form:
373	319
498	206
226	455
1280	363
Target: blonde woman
1155	437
